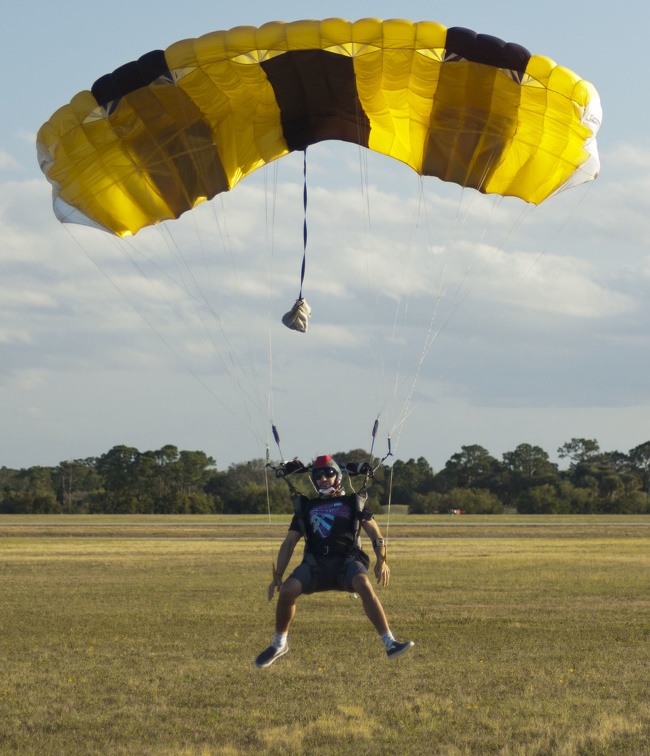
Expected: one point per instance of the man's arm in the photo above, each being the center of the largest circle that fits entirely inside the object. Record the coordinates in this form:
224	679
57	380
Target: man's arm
382	570
284	557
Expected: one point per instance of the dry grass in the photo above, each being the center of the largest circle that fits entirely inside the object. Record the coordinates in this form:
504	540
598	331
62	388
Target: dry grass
400	525
523	646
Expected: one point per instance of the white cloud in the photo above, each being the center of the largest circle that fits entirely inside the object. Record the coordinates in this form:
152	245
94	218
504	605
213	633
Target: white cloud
25	298
28	380
8	162
538	309
552	284
12	335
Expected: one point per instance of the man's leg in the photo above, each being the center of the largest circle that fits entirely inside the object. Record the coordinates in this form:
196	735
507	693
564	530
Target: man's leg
375	613
371	603
284	614
286	607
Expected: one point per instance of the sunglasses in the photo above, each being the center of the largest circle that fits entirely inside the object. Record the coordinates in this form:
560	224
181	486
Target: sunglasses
326	472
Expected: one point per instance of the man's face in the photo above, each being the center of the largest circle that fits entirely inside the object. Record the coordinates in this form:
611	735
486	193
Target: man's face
324	478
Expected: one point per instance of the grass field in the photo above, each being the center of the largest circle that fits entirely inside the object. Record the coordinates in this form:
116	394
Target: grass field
532	637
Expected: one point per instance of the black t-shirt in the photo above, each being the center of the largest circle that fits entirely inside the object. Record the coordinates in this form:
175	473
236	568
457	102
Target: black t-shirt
331	521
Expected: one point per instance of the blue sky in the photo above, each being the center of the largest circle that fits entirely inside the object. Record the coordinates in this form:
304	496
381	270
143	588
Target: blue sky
547	339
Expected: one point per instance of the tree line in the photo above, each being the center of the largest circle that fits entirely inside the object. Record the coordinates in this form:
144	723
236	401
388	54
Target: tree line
168	481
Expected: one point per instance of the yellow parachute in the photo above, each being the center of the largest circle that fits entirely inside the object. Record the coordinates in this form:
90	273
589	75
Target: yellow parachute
173	129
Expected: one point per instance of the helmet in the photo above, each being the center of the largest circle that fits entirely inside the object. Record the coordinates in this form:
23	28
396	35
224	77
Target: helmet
325	462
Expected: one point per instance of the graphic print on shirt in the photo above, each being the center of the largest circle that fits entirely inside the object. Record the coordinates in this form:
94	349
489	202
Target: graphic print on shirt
323	517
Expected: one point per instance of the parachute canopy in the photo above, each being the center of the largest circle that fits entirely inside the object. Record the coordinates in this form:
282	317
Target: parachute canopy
160	135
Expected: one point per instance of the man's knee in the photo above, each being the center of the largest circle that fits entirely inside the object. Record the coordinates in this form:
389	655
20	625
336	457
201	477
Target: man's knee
361	584
290	590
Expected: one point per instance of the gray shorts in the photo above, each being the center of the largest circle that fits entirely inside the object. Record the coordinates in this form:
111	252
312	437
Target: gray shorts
328	574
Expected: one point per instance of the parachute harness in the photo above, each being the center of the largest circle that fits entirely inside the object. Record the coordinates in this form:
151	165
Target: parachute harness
286	469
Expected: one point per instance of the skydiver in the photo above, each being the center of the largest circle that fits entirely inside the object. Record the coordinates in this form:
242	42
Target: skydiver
333	559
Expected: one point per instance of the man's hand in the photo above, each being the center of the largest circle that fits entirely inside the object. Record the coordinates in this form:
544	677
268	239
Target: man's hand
382	572
287	468
359	468
275	583
365	469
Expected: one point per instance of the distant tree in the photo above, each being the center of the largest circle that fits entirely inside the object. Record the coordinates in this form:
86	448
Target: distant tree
355	455
608	476
117	468
241	473
529	462
544	499
215	488
640	462
169	480
195	468
31	491
579	450
248	498
408	478
471	501
76	481
249	487
429	503
166	473
636	502
466	500
525	467
472	466
8	490
561	497
616	461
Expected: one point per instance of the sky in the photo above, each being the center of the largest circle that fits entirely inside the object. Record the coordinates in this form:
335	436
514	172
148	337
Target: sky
453	319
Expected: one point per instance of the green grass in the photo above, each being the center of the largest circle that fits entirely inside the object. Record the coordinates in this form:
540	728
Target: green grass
524	645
